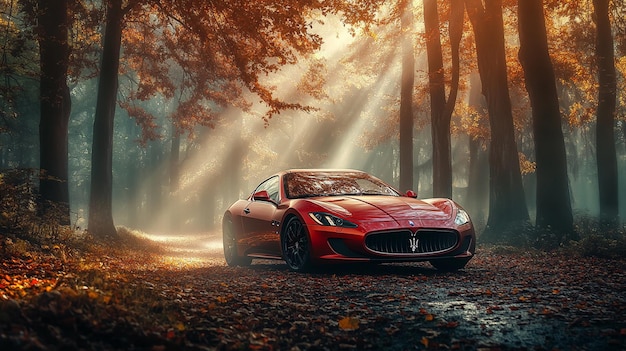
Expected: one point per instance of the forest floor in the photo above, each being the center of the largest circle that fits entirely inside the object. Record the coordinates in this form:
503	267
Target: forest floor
176	293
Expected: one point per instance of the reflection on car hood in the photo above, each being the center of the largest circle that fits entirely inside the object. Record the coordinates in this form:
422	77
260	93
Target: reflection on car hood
383	208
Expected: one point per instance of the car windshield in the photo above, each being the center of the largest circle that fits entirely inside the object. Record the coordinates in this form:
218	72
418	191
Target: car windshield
314	184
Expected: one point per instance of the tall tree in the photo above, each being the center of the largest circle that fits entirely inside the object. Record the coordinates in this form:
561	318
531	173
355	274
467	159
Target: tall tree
440	108
101	198
605	132
507	204
554	209
55	105
223	48
440	126
406	97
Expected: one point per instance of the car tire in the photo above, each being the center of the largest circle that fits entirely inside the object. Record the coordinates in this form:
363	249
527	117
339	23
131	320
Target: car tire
296	246
450	265
231	252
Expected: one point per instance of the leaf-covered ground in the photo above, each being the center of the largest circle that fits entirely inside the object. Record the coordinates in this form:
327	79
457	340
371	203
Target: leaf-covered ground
179	295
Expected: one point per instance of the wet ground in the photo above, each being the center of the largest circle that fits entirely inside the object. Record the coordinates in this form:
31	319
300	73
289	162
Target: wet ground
504	299
182	296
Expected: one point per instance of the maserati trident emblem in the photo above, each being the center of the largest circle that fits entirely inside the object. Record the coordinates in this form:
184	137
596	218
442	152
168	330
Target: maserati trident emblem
412	224
414	242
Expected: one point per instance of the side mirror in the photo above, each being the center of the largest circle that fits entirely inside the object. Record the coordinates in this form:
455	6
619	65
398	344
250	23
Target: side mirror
262	195
411	193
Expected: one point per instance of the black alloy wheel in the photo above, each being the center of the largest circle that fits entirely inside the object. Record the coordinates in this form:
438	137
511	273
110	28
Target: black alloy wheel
296	245
230	246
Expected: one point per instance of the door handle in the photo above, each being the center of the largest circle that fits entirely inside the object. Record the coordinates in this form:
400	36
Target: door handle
246	210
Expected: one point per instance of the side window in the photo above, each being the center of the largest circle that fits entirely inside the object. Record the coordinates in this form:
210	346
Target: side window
271	186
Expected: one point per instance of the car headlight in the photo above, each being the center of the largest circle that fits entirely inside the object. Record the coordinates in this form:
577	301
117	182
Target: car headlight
327	219
461	217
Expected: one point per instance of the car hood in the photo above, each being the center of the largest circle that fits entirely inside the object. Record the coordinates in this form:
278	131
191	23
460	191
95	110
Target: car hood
385	208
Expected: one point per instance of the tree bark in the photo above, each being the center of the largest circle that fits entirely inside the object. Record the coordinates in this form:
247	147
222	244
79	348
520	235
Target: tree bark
441	109
406	100
605	133
554	209
507	204
440	126
100	204
55	105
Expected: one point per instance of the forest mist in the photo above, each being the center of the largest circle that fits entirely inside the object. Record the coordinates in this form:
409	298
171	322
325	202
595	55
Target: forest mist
181	179
222	164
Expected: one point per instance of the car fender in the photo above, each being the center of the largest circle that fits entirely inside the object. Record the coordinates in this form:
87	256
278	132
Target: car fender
234	212
446	205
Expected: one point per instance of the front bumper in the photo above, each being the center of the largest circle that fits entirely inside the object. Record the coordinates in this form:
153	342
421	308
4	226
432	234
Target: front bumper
391	245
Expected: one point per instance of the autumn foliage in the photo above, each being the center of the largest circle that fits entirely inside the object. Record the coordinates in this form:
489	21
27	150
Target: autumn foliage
144	294
203	98
203	70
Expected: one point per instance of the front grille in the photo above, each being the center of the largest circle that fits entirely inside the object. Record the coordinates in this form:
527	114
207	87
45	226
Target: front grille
406	242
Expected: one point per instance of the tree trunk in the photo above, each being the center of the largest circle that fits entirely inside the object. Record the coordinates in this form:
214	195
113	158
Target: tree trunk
406	100
440	126
440	109
605	134
507	205
554	209
100	204
55	109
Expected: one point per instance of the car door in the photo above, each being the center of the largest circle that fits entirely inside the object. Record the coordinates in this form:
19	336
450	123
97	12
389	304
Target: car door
259	221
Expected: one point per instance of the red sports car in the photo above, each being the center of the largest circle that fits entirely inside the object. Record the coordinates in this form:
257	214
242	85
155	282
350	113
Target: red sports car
308	217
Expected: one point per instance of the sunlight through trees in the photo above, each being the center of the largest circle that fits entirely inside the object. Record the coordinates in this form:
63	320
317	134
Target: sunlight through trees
156	115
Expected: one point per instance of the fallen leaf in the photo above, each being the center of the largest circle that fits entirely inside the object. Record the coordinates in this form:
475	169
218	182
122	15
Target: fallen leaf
349	323
452	324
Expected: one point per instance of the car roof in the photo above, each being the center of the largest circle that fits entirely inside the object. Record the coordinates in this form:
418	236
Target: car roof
322	170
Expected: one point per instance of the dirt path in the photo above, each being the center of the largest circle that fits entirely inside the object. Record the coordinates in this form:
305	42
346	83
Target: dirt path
187	298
